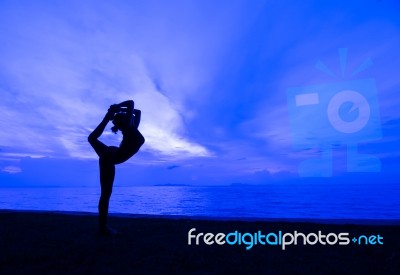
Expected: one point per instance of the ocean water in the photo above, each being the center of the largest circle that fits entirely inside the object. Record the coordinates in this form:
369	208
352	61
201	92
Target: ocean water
274	201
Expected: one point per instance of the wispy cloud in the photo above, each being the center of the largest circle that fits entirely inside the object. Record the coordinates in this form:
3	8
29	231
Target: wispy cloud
59	81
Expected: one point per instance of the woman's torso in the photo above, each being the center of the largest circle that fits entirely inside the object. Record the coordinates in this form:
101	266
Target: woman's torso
132	140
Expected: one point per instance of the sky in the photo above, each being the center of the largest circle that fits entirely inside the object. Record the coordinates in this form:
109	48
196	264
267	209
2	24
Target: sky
216	82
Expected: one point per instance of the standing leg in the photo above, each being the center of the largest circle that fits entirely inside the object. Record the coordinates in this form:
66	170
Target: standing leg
107	174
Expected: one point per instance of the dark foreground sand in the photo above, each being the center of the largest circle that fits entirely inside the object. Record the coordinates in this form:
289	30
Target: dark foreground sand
51	243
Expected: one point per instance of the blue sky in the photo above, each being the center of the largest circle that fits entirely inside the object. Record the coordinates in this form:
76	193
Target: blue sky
211	79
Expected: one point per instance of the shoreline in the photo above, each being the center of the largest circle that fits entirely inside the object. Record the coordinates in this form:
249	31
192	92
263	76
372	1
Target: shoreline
372	222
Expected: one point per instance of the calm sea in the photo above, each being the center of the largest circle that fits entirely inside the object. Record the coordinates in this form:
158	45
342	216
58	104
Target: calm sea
275	201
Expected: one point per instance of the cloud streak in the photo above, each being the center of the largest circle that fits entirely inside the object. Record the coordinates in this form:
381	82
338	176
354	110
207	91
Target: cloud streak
65	87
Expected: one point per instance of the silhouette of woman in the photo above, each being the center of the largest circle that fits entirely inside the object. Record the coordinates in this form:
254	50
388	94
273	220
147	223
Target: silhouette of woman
126	119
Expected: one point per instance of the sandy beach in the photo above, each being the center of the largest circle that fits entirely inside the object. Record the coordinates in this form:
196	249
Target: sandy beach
65	243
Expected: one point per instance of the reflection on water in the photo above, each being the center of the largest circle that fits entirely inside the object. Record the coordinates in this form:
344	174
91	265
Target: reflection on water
274	201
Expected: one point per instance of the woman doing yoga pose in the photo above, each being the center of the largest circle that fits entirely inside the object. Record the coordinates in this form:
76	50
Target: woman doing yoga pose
126	119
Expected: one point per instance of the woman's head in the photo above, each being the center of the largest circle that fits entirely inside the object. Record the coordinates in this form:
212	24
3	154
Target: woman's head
120	122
